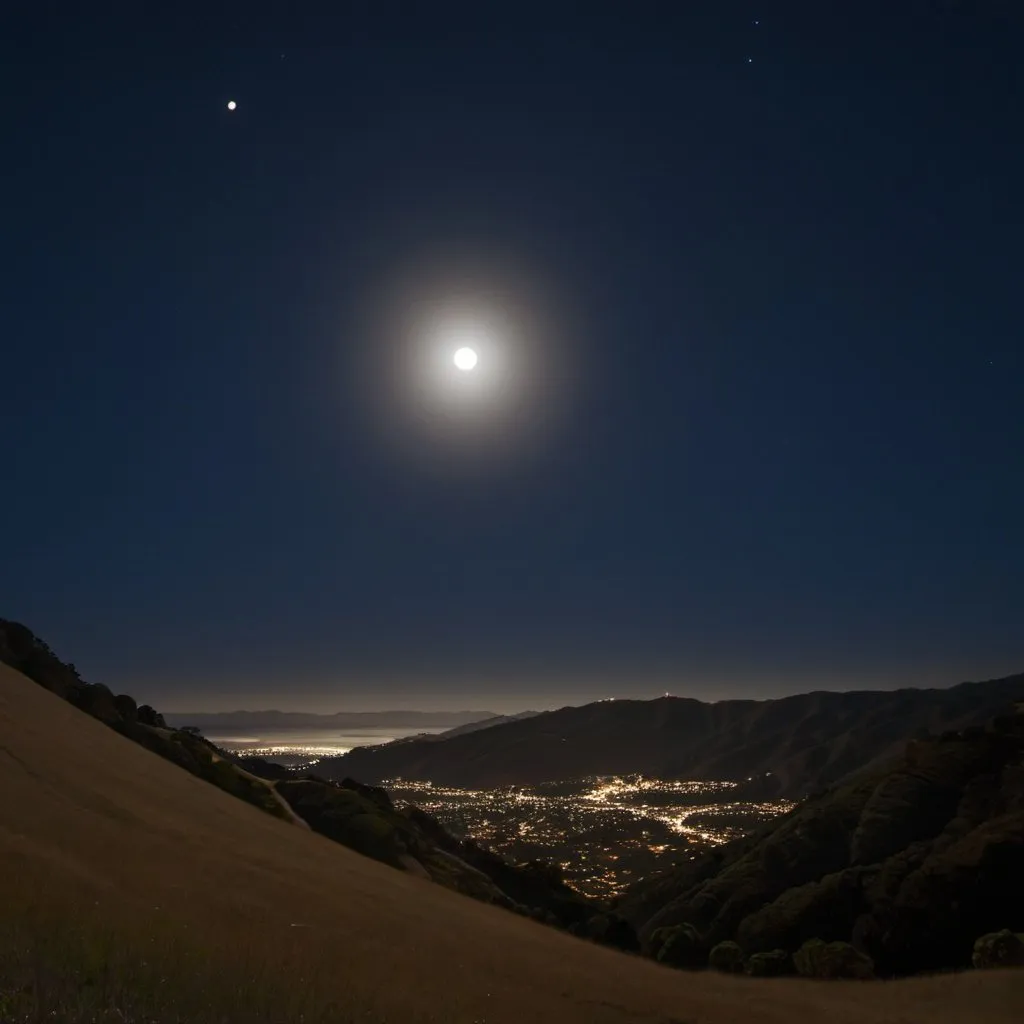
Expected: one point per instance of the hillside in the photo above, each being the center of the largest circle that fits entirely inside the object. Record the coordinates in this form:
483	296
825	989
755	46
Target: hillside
911	862
806	741
360	817
103	838
487	723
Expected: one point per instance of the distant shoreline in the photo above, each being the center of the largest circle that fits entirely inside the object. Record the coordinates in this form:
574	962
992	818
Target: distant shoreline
249	721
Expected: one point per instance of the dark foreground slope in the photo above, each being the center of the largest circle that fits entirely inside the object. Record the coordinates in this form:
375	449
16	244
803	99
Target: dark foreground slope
360	817
102	832
21	649
806	742
910	862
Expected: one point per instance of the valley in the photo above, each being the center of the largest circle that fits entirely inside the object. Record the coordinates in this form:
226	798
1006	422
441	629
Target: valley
604	833
903	869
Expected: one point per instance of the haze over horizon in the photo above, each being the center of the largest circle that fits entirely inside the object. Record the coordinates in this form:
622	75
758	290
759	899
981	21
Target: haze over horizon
739	288
494	702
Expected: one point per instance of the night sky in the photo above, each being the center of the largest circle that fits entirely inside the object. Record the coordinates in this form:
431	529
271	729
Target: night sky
752	274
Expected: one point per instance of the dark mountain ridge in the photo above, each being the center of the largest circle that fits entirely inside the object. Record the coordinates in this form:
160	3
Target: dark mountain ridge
458	730
487	723
801	743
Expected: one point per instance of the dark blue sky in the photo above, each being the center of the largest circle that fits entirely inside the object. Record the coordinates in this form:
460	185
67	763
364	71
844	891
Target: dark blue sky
763	280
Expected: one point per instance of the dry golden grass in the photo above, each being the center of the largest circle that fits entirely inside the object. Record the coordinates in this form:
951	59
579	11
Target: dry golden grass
248	918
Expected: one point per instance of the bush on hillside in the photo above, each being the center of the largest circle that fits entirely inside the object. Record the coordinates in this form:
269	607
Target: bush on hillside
999	949
150	716
126	707
679	946
374	836
727	957
97	700
817	959
776	963
375	794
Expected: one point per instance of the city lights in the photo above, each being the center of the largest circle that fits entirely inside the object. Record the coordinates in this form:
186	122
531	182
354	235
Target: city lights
604	832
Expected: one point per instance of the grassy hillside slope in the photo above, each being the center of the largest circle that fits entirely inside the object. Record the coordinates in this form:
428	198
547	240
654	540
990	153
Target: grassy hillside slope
100	832
360	817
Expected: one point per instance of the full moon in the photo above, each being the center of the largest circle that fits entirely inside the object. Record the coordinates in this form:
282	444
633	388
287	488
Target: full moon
232	104
465	359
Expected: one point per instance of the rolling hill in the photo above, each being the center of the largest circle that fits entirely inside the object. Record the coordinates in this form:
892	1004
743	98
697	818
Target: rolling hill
127	877
806	742
911	861
360	817
487	723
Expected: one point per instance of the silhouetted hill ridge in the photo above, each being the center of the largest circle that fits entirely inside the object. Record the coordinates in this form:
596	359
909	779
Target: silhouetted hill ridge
805	741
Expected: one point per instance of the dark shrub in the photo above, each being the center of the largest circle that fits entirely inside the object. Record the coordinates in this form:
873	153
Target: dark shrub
97	700
999	949
149	716
727	957
126	707
377	794
679	946
372	835
817	959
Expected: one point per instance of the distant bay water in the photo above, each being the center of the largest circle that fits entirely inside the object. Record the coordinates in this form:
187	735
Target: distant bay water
294	747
